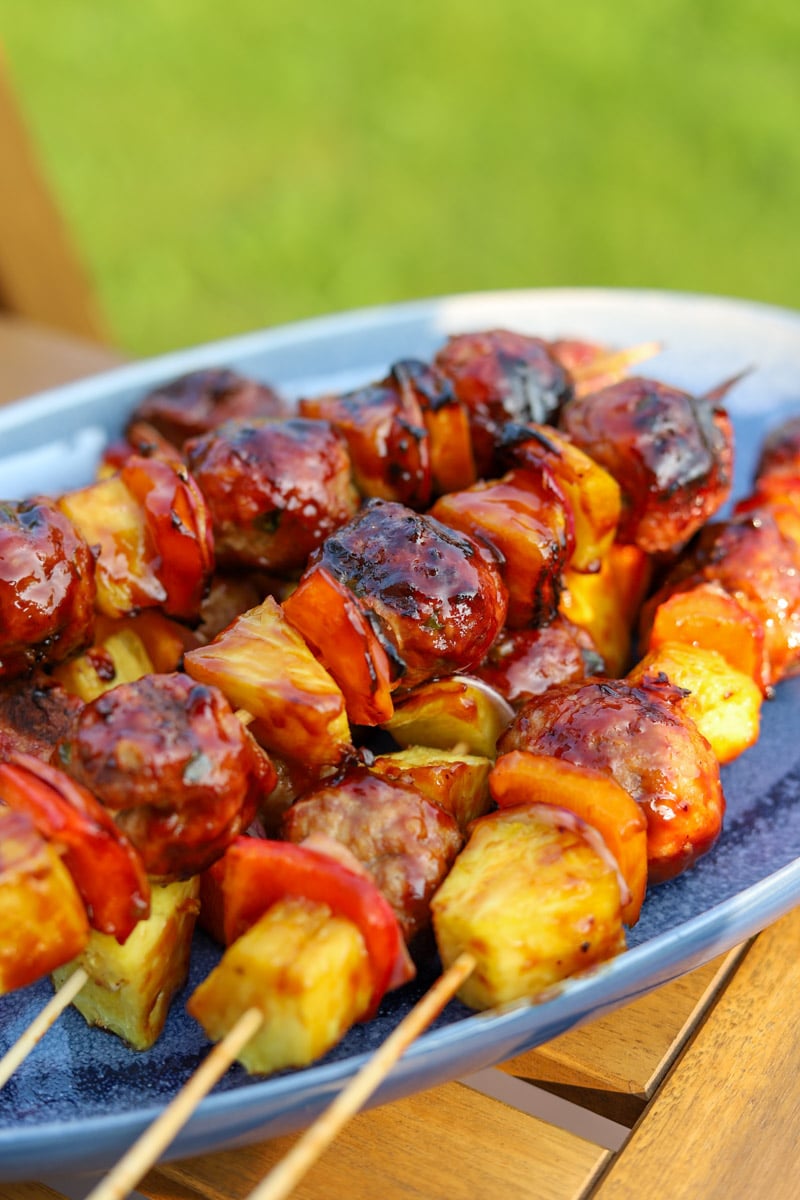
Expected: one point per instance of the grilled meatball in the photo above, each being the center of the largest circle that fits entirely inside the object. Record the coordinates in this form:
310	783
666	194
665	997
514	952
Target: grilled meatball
196	403
275	489
47	586
500	375
176	767
635	735
670	452
406	843
435	594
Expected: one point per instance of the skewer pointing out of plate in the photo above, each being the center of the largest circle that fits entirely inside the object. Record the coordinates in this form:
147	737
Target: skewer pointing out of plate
280	1182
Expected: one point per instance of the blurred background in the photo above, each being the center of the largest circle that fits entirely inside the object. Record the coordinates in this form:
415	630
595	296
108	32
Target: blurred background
225	166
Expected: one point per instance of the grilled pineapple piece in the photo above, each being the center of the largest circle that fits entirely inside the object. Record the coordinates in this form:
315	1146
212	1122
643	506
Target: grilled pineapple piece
534	897
262	664
606	603
458	783
306	969
119	658
724	703
457	711
131	987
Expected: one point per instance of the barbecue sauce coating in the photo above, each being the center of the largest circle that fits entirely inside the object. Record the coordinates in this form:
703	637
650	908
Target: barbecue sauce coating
174	764
434	596
275	490
386	438
499	376
670	452
407	843
637	737
753	560
780	451
201	401
47	587
524	663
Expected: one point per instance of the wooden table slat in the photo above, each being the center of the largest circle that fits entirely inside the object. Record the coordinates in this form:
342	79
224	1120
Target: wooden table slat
726	1122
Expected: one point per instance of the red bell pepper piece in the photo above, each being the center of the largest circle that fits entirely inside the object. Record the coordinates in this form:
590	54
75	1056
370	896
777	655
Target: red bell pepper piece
106	868
256	873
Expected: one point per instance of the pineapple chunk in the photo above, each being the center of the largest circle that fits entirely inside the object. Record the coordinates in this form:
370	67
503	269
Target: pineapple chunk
606	604
119	658
42	917
458	783
725	704
131	987
534	898
262	664
309	973
456	711
110	517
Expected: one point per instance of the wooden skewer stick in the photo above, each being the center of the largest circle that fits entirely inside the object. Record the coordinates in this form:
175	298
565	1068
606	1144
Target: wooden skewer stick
39	1026
284	1177
136	1161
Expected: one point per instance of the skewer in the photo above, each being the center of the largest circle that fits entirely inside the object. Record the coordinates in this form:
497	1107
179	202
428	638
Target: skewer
283	1178
39	1026
146	1150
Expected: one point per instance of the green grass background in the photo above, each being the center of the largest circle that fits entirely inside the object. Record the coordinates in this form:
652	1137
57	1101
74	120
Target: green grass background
231	164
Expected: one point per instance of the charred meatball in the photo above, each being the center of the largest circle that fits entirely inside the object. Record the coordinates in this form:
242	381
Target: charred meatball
173	763
635	735
276	490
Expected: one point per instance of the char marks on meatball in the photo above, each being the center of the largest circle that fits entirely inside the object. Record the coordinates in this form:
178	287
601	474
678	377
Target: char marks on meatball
174	764
637	736
275	489
671	454
436	594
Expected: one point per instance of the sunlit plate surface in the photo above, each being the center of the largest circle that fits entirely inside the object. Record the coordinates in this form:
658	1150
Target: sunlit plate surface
82	1097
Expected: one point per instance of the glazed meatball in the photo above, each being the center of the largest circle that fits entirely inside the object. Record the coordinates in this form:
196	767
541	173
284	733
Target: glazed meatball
436	595
196	403
173	763
406	843
499	376
635	735
47	587
276	490
671	454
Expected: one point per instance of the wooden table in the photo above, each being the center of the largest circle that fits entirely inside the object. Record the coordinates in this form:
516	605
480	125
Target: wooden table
691	1091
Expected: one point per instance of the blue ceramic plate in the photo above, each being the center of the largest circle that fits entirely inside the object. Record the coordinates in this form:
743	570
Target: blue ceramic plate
81	1097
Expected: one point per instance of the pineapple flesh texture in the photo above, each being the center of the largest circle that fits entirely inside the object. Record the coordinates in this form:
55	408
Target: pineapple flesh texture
264	666
131	986
534	898
306	969
458	783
